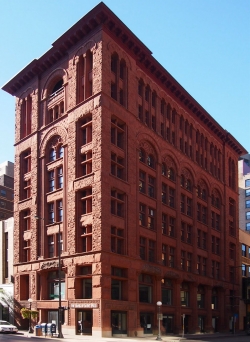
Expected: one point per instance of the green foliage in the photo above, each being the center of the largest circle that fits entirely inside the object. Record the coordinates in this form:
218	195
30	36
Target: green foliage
27	313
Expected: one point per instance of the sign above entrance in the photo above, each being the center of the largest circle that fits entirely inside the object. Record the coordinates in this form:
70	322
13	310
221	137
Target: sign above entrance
84	305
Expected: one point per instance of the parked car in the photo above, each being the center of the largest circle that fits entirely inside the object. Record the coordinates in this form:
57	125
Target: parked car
6	327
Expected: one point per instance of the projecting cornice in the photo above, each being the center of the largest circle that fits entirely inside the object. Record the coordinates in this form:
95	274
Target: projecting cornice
101	17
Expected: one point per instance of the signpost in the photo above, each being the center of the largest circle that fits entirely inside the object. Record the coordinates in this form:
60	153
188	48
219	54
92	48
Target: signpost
183	318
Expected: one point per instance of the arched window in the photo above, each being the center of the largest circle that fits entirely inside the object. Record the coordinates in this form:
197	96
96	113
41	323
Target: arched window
189	185
151	161
171	174
163	169
52	154
204	194
114	62
60	151
57	86
122	69
182	181
142	155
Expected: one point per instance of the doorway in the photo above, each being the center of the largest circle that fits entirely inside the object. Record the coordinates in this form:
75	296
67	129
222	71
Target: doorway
167	323
119	322
84	322
146	321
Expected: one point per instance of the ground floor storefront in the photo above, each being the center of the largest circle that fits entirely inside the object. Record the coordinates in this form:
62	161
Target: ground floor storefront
106	319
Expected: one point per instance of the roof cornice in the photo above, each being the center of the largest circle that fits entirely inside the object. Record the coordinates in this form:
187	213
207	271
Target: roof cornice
102	17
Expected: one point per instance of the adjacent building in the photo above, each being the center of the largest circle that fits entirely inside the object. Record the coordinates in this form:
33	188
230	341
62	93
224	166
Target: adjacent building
7	303
244	192
244	239
6	190
122	176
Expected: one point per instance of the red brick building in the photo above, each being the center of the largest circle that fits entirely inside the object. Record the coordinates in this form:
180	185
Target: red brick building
140	181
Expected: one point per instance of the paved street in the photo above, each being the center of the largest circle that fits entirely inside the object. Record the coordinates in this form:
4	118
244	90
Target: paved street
22	336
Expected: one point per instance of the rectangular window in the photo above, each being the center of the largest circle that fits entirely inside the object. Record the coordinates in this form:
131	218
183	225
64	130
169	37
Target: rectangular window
142	181
86	130
87	288
171	257
51	181
142	248
145	288
164	224
59	204
243	250
118	132
151	186
247	192
85	243
151	218
171	198
171	227
142	215
86	200
51	246
164	193
60	177
164	255
151	251
3	193
117	240
247	183
51	213
117	203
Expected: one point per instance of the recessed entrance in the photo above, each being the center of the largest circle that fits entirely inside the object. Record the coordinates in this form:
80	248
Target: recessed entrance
119	322
84	322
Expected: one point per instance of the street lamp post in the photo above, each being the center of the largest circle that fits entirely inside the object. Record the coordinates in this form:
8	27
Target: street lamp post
159	304
60	335
30	329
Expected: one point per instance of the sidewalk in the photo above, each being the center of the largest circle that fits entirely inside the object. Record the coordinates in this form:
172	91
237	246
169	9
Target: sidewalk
165	338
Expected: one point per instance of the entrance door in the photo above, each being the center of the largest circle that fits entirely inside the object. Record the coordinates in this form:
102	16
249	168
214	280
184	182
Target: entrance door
201	321
146	320
167	323
119	322
84	322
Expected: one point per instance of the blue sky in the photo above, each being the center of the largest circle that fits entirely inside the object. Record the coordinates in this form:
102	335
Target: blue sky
203	44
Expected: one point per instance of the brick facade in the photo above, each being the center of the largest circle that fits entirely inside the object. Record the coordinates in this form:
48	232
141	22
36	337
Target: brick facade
131	178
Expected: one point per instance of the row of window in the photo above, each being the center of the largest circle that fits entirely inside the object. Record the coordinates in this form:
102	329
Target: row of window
119	287
197	148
